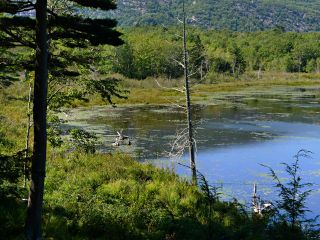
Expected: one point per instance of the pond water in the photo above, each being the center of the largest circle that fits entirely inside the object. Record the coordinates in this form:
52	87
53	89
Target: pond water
236	133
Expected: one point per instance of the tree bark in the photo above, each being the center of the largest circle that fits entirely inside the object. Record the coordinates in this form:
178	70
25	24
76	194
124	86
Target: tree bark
35	201
188	103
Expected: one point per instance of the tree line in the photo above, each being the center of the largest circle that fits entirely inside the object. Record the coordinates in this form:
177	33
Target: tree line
215	52
158	55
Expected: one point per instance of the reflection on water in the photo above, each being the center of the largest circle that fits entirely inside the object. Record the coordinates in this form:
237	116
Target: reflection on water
233	137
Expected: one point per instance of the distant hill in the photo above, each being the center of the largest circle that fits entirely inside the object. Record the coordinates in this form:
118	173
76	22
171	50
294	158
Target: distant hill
237	15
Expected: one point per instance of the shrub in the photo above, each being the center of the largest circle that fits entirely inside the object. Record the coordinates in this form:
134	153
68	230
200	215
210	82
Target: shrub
290	215
83	140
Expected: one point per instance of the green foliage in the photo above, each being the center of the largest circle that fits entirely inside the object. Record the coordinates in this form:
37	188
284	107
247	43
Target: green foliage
155	56
158	52
54	130
124	61
114	197
220	65
214	52
197	56
65	98
12	217
238	64
313	65
12	64
75	51
11	191
11	169
3	141
106	88
291	206
83	140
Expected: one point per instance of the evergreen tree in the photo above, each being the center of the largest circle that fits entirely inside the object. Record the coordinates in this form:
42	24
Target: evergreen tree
197	57
238	64
18	26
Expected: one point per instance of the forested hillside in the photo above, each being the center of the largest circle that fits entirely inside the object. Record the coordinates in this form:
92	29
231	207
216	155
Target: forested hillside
238	15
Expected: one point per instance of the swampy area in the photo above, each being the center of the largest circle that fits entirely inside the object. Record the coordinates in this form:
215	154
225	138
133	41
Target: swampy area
140	191
236	132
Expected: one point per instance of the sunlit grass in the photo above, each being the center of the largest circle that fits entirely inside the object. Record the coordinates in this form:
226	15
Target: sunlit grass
94	195
164	91
13	116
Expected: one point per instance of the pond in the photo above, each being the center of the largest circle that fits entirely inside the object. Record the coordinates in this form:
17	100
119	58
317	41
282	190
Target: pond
236	132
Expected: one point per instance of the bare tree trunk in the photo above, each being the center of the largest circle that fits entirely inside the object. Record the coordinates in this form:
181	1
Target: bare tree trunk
233	69
188	103
34	211
27	134
201	73
259	71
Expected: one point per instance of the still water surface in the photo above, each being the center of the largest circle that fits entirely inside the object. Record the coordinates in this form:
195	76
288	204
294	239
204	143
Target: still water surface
236	133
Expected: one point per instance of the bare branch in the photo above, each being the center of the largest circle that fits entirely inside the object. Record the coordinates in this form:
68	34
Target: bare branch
179	20
180	63
175	89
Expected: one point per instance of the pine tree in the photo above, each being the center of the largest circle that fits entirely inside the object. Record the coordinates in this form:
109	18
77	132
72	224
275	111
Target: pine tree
68	23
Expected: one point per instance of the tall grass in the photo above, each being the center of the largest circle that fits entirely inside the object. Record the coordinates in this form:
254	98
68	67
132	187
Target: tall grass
162	90
13	117
105	196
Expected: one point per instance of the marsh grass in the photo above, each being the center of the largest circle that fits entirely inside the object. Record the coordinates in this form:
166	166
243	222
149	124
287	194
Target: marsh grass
13	117
148	91
111	196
